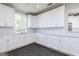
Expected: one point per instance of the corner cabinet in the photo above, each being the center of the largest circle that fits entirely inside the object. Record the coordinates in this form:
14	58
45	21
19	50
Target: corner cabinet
57	42
7	16
32	21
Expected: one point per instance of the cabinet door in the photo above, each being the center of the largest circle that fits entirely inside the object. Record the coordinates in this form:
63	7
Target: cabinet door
28	39
30	21
3	44
12	42
43	20
75	46
40	39
65	44
33	21
15	42
54	42
10	17
2	15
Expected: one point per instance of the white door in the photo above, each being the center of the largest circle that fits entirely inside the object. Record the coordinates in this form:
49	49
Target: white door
2	15
75	46
65	44
3	44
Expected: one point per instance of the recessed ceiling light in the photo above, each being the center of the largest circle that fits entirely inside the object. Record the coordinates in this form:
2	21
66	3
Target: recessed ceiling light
37	6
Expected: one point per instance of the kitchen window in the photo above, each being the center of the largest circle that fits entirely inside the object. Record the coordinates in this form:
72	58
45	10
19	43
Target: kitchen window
20	23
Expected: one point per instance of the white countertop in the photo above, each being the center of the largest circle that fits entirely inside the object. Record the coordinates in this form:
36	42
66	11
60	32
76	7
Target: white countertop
17	34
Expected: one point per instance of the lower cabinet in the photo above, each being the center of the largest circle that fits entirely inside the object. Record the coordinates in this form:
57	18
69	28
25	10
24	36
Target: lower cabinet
75	46
65	44
60	43
15	42
3	44
19	41
40	39
8	43
53	42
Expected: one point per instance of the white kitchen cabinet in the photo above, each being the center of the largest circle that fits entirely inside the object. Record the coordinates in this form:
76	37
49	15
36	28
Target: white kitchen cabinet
32	21
43	20
10	17
13	42
7	16
60	43
8	43
49	41
29	21
19	41
27	39
3	44
65	44
2	15
16	42
40	39
75	46
52	18
54	42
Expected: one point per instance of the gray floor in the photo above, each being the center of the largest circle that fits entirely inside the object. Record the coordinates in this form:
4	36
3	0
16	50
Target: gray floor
33	50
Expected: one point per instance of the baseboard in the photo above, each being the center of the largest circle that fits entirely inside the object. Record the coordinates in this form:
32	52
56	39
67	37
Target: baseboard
55	49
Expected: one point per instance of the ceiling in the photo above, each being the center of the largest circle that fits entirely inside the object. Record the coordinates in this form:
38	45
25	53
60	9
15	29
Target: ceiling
32	8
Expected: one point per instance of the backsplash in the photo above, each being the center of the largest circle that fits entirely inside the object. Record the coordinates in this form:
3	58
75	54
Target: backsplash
6	31
11	31
50	30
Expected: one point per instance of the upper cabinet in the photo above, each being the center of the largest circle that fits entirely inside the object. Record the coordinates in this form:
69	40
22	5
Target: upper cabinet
52	18
32	21
10	16
2	15
7	16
